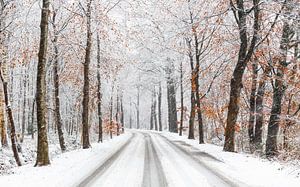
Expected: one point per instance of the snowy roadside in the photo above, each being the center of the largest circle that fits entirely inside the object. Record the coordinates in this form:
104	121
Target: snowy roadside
67	169
244	167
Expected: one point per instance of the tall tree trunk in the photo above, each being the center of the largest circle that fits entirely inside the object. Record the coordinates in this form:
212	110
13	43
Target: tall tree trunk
24	105
245	53
86	86
259	108
58	122
154	111
130	118
111	110
118	113
278	91
252	115
3	130
42	148
122	114
181	99
172	99
193	90
10	119
197	69
99	95
138	108
289	122
159	108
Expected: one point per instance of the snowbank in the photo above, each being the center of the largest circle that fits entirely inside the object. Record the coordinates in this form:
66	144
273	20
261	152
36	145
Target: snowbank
246	168
67	169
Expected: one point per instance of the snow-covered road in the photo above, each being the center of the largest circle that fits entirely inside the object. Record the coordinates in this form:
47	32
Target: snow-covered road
149	159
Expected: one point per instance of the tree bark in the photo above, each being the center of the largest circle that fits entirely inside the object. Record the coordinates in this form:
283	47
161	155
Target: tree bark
278	92
252	115
193	90
159	108
181	100
130	118
86	86
151	114
10	120
245	53
111	110
58	122
99	95
118	113
24	106
259	108
3	130
122	114
138	107
197	92
42	148
154	111
172	99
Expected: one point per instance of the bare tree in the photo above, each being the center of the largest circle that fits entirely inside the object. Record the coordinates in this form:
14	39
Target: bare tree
42	149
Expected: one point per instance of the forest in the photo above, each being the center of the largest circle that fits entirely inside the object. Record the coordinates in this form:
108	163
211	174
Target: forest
78	72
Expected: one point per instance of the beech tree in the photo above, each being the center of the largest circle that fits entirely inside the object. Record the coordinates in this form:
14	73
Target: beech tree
86	86
245	53
42	149
279	85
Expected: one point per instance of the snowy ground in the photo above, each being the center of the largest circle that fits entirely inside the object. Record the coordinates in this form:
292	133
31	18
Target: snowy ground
67	169
146	158
246	168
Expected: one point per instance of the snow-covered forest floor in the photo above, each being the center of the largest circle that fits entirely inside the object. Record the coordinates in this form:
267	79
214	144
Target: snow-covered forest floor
248	168
72	167
66	169
29	147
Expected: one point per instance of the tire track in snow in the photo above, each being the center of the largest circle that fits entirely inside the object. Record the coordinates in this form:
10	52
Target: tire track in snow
153	171
106	164
215	178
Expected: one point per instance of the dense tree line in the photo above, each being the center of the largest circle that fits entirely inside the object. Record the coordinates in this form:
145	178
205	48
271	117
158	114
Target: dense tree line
225	71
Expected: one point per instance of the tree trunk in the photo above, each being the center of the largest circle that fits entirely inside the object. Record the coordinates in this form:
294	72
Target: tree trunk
42	148
154	111
181	100
138	108
151	115
259	108
56	88
111	110
245	53
99	95
130	118
10	120
193	90
24	106
86	86
159	108
3	130
122	114
197	69
171	98
117	114
278	92
251	123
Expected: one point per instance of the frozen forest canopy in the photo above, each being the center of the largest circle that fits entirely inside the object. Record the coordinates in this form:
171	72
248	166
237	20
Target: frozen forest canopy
222	72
